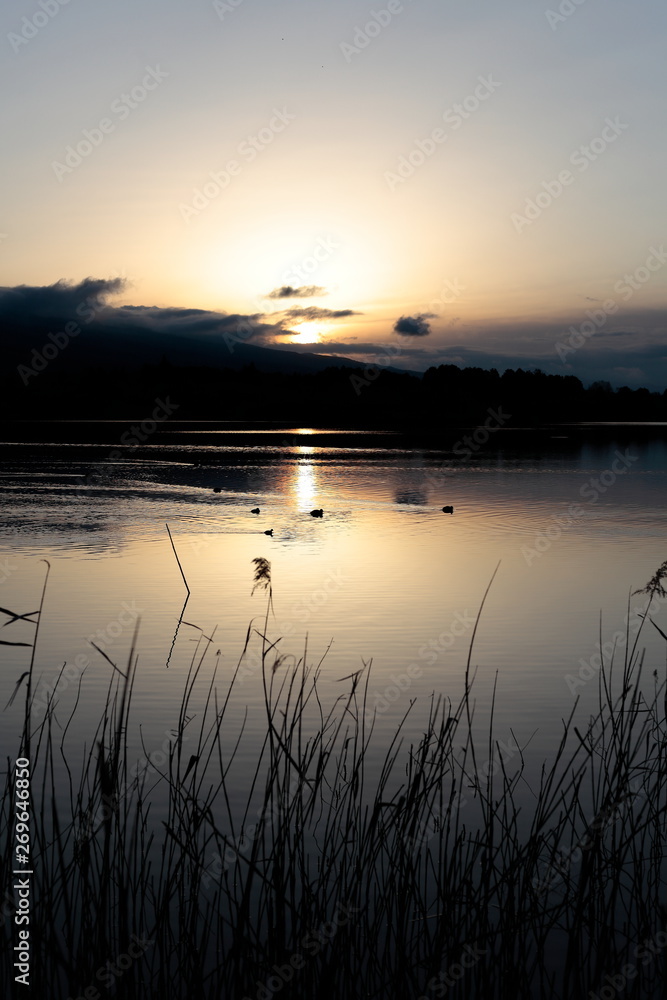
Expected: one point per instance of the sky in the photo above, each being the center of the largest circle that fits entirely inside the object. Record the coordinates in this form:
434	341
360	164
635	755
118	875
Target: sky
412	181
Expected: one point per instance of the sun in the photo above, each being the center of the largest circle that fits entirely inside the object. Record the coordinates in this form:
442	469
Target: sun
306	333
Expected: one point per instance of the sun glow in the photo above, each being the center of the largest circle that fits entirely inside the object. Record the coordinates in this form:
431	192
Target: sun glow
306	333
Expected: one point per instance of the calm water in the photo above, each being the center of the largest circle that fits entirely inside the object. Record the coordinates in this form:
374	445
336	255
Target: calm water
385	575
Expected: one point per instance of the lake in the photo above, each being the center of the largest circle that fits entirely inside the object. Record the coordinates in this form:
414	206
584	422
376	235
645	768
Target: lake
560	527
573	519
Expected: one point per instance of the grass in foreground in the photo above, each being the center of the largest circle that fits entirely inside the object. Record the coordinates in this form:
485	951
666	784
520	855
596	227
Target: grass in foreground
327	884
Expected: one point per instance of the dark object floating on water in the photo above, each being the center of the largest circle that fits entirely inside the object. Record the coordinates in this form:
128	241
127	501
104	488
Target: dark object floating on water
317	513
255	510
448	510
269	532
217	489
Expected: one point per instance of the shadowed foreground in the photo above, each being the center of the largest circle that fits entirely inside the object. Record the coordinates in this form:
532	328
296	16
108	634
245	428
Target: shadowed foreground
329	884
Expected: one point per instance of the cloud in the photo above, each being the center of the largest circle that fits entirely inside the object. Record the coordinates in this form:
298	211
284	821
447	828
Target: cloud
367	348
339	347
27	303
413	326
302	292
170	320
36	306
411	359
311	313
628	348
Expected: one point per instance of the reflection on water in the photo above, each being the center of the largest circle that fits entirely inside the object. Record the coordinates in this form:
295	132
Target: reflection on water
384	573
305	486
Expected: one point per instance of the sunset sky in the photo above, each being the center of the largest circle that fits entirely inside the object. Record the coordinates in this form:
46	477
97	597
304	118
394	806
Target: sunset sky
447	181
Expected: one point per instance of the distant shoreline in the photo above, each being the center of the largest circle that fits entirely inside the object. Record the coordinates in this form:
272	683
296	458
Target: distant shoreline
176	440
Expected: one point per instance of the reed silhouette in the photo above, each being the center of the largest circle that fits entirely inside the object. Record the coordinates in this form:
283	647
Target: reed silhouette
423	874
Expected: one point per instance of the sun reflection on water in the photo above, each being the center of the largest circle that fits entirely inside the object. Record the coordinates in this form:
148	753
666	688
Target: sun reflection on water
306	483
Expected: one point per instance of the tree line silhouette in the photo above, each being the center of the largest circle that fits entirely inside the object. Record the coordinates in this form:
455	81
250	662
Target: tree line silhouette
445	396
